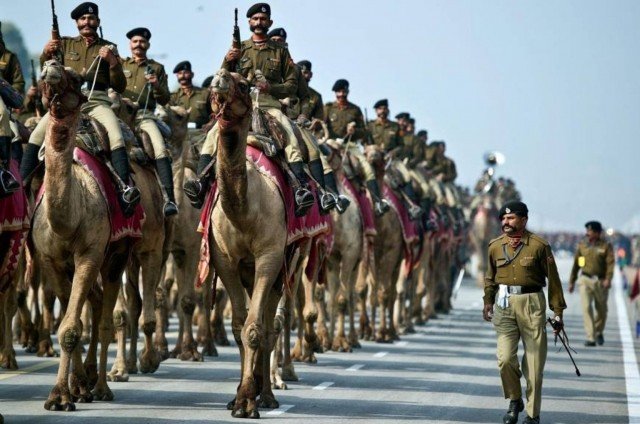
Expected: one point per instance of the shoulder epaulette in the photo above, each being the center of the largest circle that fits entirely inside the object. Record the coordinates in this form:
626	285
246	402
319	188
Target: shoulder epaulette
538	238
494	240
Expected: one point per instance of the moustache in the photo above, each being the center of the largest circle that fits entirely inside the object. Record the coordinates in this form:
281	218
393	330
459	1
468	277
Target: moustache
505	226
260	27
88	26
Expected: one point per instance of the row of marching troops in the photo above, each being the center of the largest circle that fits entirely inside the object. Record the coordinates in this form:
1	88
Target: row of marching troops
404	194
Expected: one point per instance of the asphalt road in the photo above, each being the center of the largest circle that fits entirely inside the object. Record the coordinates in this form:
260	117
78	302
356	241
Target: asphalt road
444	373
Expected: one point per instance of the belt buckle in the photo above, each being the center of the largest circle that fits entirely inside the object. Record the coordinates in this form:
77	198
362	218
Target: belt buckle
515	289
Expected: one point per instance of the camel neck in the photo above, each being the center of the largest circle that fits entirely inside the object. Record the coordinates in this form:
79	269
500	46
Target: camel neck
231	172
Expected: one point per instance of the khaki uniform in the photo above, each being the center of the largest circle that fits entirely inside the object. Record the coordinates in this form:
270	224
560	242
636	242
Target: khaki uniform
312	106
385	134
82	58
196	101
274	61
11	72
337	118
138	90
596	262
524	315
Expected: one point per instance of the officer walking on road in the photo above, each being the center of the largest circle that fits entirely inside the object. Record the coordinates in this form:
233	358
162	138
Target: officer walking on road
519	263
594	259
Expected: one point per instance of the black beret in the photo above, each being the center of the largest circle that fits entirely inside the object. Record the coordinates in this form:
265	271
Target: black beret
380	103
277	32
422	133
259	8
594	226
142	32
341	84
304	65
86	8
207	81
412	121
514	206
403	115
185	65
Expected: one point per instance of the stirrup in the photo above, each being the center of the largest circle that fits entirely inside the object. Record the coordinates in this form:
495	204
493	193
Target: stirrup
381	207
327	202
343	204
415	212
131	195
170	208
194	190
304	200
8	183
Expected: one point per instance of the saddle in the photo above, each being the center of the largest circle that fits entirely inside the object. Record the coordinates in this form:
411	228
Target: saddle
271	135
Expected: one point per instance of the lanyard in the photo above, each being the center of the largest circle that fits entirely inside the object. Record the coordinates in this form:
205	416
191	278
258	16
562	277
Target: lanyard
507	259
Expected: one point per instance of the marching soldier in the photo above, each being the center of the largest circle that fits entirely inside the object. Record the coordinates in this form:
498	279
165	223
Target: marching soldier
97	60
268	66
519	263
11	72
344	120
595	261
190	97
147	85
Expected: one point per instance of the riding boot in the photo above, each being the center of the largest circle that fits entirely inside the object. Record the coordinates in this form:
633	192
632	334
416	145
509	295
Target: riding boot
130	195
196	189
29	160
380	205
415	211
8	183
326	199
16	151
427	223
163	166
302	195
343	201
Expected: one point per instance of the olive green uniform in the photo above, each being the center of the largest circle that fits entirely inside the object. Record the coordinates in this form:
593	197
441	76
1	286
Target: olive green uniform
312	106
11	72
274	62
385	135
82	58
196	100
595	261
522	316
147	96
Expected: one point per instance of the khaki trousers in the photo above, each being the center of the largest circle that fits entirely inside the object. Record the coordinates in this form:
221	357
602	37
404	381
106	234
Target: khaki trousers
524	319
5	128
147	124
592	293
99	108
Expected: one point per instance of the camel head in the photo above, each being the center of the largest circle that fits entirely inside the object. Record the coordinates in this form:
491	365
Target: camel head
376	157
124	108
60	89
230	99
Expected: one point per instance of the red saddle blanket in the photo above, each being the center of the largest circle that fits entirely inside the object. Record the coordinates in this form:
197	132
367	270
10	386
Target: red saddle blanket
364	203
410	230
121	226
14	219
311	225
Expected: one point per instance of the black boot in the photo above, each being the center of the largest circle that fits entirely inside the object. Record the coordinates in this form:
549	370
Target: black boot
381	206
326	200
130	195
515	407
163	165
303	196
196	189
29	160
427	223
8	183
343	201
16	151
415	211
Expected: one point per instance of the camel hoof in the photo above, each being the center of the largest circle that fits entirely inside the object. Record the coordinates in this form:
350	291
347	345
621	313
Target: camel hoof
30	349
175	353
149	362
253	414
231	405
268	402
104	394
310	359
10	363
222	341
118	376
209	349
163	352
288	373
279	385
239	413
86	398
191	355
51	405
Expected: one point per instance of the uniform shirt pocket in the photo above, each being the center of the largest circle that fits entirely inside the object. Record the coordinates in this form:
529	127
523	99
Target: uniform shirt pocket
75	56
272	70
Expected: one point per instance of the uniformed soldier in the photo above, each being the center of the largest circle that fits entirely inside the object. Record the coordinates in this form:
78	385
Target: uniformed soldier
192	98
147	85
594	261
344	120
11	72
267	65
384	133
519	262
442	166
312	106
97	60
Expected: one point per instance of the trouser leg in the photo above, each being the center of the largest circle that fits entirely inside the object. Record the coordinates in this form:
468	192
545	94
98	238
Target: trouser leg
36	140
600	298
586	297
508	336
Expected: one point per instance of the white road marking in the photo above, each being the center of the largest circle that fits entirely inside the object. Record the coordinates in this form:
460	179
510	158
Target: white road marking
631	373
402	343
280	411
324	385
380	354
32	368
355	367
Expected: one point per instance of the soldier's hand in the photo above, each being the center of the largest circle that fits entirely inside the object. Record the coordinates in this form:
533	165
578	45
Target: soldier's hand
606	283
351	128
107	54
557	325
263	86
232	54
32	92
152	79
51	47
487	312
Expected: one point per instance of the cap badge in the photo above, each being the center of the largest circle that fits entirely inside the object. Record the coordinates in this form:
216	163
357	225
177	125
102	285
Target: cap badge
507	210
264	9
90	9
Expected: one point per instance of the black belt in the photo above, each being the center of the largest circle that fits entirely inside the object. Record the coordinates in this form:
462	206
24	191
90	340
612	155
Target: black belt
98	86
515	289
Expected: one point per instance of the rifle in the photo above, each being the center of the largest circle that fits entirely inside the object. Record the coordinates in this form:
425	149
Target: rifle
100	31
38	99
236	43
55	30
564	339
368	139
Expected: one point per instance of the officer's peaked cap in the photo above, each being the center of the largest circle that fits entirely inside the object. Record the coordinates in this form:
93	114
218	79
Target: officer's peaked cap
514	206
277	32
259	8
305	65
341	84
185	65
380	103
594	226
86	8
142	32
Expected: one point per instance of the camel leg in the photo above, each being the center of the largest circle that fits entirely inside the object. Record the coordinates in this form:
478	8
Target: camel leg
28	332
278	324
94	303
205	330
119	371
324	343
45	344
134	309
217	318
187	304
8	308
288	370
261	375
86	321
162	321
362	290
70	329
151	266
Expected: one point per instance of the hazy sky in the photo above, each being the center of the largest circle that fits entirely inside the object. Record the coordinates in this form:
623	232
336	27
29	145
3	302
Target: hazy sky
553	85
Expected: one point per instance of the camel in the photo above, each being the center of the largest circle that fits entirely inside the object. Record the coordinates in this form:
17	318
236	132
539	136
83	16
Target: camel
71	234
248	237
